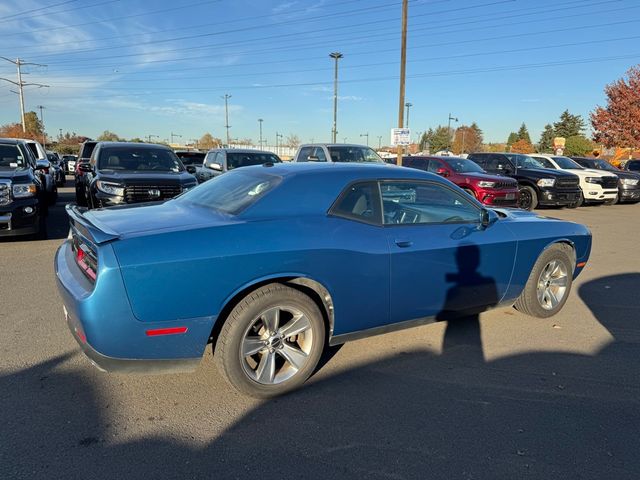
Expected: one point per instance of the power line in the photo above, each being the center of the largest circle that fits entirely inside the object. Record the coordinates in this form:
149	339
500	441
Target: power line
37	9
20	84
49	14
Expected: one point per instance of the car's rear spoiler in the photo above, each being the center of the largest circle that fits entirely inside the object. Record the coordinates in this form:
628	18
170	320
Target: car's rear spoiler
91	228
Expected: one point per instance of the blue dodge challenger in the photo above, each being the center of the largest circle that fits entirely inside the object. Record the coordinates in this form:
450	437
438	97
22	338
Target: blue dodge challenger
270	264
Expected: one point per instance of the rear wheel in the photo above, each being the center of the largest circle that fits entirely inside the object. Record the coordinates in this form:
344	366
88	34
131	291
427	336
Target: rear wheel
528	198
549	283
271	342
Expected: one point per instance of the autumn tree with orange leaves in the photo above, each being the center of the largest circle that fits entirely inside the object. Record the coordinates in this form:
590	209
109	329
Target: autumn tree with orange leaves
522	146
618	124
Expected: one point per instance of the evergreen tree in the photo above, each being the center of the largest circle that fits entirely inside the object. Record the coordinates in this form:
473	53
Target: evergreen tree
479	138
523	133
546	139
569	125
513	138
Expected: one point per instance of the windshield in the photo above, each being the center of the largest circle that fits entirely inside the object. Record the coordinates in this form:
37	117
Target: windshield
604	165
238	159
567	164
634	166
191	158
524	161
461	165
136	159
353	154
11	158
232	192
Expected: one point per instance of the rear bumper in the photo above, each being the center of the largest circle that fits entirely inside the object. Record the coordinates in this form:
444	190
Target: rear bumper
558	198
100	319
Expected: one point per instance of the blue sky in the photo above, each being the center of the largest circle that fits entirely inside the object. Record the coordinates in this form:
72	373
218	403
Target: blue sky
143	68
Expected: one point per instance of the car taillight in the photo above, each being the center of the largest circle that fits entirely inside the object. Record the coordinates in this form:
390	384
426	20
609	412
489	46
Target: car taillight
86	257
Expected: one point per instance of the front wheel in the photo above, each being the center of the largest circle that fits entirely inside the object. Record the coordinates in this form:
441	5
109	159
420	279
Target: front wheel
549	283
528	198
271	341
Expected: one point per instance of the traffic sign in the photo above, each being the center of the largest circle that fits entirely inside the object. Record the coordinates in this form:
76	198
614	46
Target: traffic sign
400	136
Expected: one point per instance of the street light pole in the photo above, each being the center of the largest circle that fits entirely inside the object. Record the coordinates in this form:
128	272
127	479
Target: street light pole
344	140
44	135
408	105
403	67
336	56
379	141
149	137
365	135
226	114
175	135
260	141
278	136
449	131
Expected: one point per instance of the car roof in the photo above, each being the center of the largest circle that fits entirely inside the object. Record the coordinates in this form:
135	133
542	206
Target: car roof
133	145
332	145
436	157
239	150
11	141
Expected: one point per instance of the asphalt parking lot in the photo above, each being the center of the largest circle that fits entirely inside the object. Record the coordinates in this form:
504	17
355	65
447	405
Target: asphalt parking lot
506	397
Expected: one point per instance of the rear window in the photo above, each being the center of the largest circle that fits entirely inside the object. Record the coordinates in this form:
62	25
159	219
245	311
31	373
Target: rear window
137	159
10	158
353	154
87	149
236	159
232	192
191	158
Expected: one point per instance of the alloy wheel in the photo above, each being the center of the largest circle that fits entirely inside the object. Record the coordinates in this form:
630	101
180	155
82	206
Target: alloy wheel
552	284
276	345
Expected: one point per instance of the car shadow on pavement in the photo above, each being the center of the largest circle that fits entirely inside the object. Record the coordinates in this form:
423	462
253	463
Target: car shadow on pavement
413	414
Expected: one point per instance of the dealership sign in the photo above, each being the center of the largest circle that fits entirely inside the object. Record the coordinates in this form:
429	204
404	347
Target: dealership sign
400	136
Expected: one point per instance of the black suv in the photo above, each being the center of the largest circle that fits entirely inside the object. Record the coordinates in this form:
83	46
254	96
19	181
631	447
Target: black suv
23	198
537	185
221	160
84	155
628	182
120	173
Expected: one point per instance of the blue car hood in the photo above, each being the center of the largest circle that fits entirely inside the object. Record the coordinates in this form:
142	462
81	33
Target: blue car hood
147	218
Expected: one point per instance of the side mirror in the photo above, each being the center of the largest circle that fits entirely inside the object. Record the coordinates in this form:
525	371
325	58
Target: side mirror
442	172
313	158
487	218
43	164
214	166
85	167
191	169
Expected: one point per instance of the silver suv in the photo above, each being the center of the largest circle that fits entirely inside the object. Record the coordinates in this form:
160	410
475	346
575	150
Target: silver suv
336	152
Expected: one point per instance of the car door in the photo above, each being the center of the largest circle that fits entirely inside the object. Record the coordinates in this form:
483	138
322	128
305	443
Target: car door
443	261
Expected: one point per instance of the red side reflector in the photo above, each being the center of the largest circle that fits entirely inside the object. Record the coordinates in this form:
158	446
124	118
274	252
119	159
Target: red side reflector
166	331
581	264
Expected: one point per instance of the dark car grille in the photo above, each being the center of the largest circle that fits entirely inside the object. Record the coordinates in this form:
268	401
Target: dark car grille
507	185
150	193
567	183
610	182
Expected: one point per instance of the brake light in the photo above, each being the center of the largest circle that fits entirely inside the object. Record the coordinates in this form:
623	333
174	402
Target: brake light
86	257
166	331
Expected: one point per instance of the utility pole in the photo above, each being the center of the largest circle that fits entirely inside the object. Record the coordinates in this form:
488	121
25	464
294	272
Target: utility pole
449	131
194	141
149	137
44	135
336	56
20	84
226	114
403	67
260	141
379	141
463	132
175	135
365	135
408	105
278	136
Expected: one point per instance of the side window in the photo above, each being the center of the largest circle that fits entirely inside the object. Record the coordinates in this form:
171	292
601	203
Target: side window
495	163
479	159
319	152
360	201
219	158
209	158
304	154
434	165
425	203
419	163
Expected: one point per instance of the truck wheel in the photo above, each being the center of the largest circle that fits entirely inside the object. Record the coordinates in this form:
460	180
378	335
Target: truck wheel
549	283
271	341
528	198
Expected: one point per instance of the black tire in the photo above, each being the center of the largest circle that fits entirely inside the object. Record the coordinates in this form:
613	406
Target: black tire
80	198
580	201
528	302
470	192
527	198
613	201
241	324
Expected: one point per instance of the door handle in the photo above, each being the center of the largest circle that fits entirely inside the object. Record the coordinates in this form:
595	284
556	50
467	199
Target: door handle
404	243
